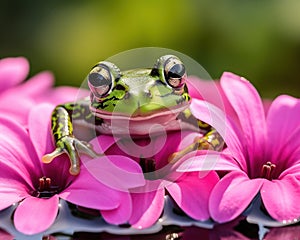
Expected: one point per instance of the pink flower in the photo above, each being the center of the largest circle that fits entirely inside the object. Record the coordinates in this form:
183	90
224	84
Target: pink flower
18	96
212	92
209	91
37	187
262	155
5	235
189	190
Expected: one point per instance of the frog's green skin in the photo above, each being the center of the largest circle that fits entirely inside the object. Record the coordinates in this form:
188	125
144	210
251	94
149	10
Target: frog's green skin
129	103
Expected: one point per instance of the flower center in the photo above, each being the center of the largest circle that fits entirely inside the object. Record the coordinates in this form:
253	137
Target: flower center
45	188
267	170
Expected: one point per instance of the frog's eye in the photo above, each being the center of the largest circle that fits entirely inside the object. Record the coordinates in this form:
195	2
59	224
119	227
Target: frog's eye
101	79
174	72
171	69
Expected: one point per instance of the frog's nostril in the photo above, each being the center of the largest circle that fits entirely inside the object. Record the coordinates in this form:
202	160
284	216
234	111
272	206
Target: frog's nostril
148	94
127	95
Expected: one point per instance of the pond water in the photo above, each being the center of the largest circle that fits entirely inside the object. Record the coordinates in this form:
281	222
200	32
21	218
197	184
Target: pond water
72	223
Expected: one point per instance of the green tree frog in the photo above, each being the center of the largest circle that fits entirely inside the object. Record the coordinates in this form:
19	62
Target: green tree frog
128	104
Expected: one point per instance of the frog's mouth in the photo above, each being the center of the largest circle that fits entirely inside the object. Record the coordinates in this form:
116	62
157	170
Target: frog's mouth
139	123
141	114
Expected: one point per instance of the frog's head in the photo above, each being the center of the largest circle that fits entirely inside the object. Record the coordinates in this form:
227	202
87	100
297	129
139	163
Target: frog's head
139	94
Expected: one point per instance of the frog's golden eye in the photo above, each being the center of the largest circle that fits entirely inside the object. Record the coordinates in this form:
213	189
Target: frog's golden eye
101	79
174	72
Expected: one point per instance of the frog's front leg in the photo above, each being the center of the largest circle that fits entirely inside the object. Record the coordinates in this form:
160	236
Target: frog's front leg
62	131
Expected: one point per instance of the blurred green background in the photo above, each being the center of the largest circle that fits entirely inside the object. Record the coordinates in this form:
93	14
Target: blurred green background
259	40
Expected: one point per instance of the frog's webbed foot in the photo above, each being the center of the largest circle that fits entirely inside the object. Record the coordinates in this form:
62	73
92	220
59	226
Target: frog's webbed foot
72	147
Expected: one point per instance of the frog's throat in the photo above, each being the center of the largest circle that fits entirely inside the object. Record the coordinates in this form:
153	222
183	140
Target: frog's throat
162	113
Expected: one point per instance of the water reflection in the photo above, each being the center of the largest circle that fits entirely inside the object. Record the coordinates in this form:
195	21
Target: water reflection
5	235
242	231
239	229
232	231
226	231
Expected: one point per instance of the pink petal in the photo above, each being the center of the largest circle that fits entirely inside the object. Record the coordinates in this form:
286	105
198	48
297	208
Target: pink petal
29	94
290	151
281	198
38	85
147	208
192	192
293	170
87	191
10	107
35	215
283	114
283	118
102	143
40	130
232	195
64	94
227	129
115	171
157	147
11	192
144	147
248	105
122	213
175	142
206	161
17	152
210	91
207	90
11	174
12	72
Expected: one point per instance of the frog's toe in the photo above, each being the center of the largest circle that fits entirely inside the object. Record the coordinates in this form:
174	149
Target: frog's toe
47	158
72	147
74	159
74	169
86	148
81	147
